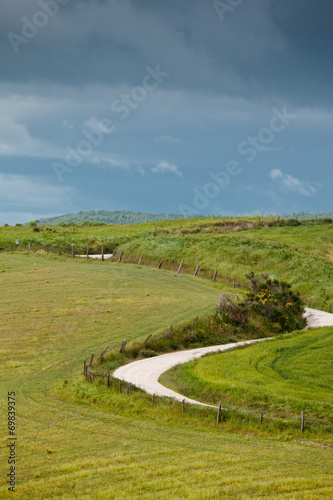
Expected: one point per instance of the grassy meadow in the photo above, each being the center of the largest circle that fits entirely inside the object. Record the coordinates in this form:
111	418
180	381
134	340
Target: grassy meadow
87	441
282	377
302	254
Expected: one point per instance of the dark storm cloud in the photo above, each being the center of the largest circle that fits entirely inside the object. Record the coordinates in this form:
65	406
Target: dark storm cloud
228	70
272	49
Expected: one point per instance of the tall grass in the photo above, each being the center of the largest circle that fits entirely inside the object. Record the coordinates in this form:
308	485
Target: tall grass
236	255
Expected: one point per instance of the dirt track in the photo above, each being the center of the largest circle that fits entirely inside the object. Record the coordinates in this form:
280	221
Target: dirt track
146	372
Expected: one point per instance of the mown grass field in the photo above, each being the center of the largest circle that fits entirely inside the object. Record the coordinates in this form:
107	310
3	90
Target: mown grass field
76	440
281	377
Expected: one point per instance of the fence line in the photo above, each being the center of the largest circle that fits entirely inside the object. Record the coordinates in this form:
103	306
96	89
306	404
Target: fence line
73	251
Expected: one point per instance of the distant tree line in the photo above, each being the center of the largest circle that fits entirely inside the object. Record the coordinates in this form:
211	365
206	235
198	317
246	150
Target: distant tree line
109	217
101	217
308	215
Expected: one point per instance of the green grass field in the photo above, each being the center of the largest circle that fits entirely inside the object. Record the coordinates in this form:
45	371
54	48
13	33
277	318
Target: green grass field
302	255
281	377
77	440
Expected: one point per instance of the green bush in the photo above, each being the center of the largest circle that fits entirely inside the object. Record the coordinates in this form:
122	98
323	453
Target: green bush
274	301
270	307
231	312
289	222
146	353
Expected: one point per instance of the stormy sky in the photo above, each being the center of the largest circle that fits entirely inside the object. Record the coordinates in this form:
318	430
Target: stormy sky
187	106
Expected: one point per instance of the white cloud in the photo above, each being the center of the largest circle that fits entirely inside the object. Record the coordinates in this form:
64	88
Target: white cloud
104	162
16	140
93	123
292	183
140	169
66	125
275	174
165	167
20	190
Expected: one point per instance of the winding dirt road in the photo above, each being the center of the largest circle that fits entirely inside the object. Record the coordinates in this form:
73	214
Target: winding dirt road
146	372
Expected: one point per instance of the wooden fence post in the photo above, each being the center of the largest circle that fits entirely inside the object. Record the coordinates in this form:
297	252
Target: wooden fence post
91	360
160	264
261	418
218	413
302	421
102	353
102	252
128	388
147	339
123	345
215	273
140	260
196	269
180	266
169	333
120	256
108	380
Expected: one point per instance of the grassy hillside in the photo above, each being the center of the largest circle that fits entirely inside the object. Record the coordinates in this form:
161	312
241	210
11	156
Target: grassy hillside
300	254
80	440
281	377
109	217
128	217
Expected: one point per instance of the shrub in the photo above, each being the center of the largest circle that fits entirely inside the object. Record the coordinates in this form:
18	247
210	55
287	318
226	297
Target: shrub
231	312
289	222
270	307
276	303
146	353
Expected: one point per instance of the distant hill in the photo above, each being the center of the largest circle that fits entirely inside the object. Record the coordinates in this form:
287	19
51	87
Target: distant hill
128	217
109	217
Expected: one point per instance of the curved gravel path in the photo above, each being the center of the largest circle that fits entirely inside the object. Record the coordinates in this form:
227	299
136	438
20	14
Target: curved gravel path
146	372
316	318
